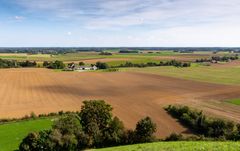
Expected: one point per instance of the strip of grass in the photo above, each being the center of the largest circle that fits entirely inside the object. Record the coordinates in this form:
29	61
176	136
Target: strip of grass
235	101
11	134
178	146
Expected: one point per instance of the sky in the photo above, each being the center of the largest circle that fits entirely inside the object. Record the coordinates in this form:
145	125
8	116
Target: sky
119	23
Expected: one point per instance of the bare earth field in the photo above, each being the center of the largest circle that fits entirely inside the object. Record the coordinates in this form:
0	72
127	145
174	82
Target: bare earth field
133	95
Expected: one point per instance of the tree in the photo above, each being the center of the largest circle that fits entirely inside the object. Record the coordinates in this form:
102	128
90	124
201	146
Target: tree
60	142
45	64
145	129
56	65
95	118
81	63
102	65
68	125
96	111
113	135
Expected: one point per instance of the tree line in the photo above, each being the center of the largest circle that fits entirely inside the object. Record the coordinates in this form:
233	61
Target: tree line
219	59
16	64
174	63
93	127
208	127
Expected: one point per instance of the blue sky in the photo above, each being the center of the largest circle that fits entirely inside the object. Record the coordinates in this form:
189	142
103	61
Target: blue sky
96	23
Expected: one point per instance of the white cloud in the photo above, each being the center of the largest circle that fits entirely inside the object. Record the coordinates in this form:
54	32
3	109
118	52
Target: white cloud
138	23
69	33
19	18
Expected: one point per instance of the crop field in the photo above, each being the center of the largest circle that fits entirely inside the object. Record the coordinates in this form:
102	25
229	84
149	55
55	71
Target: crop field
227	73
178	146
11	134
114	59
36	90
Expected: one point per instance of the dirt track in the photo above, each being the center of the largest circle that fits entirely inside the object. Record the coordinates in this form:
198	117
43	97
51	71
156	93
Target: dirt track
133	95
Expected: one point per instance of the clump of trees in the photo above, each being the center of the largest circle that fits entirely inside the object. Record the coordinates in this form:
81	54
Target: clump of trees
16	64
54	65
105	53
102	65
219	59
161	63
208	127
128	51
81	63
93	127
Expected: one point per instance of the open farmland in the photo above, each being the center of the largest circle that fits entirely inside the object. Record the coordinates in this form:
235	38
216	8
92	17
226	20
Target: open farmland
41	91
114	59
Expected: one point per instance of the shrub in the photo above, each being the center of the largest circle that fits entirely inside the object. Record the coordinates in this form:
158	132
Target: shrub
174	137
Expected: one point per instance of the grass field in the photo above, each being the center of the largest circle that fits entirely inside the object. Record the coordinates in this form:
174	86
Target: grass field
178	146
220	75
235	101
11	134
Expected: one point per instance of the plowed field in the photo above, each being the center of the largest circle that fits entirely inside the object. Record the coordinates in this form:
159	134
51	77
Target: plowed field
133	95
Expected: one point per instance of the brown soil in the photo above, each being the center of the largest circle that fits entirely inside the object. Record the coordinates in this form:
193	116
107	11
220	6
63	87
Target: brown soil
133	95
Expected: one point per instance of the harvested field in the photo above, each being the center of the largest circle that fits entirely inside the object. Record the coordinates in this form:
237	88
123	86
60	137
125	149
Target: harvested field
133	95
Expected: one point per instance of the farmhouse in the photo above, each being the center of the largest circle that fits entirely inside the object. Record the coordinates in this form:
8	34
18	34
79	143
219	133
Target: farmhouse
74	67
87	68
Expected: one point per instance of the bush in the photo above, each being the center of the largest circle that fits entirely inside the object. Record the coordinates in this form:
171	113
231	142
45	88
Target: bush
36	141
112	70
174	137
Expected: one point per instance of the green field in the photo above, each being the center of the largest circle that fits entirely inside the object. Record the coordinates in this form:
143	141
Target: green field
234	101
219	75
178	146
81	56
11	134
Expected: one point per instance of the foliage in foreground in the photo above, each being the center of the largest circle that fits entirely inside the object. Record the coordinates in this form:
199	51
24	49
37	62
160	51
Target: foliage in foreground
208	127
93	127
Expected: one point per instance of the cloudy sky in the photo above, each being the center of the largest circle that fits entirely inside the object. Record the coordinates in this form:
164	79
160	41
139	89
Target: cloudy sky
119	23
